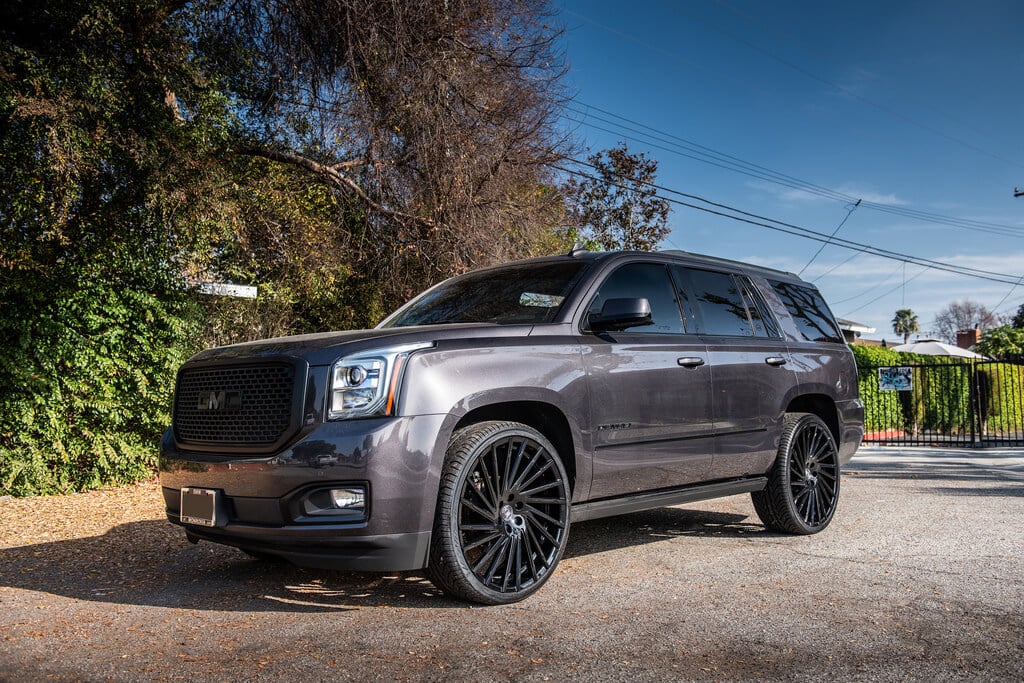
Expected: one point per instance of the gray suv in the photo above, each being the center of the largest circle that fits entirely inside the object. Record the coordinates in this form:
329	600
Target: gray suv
467	431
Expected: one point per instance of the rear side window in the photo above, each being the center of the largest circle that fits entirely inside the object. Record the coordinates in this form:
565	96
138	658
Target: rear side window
726	304
809	311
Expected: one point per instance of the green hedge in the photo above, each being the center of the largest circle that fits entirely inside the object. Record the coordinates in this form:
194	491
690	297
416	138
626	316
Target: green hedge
940	401
87	372
881	408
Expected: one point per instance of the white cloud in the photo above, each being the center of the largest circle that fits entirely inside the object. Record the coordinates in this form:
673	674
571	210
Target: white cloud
793	195
871	196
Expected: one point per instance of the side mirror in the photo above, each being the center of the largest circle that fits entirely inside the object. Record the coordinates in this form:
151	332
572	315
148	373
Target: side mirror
620	314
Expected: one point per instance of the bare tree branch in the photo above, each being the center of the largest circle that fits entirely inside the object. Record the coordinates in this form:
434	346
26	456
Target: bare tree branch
334	174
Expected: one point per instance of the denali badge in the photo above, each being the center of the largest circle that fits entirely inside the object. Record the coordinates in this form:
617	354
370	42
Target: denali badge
219	400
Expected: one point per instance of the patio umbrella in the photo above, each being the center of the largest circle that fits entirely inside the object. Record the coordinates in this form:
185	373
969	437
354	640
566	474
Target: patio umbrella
935	348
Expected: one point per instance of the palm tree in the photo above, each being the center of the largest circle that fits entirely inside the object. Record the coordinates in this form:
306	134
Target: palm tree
905	323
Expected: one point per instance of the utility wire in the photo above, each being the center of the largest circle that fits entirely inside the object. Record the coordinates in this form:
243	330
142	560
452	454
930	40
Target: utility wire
870	289
687	148
846	91
820	57
838	265
792	229
849	212
886	293
1019	280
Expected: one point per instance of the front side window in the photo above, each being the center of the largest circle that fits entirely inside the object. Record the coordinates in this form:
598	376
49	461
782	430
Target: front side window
649	281
524	293
809	311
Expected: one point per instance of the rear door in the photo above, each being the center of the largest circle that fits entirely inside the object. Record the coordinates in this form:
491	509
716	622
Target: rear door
751	368
650	391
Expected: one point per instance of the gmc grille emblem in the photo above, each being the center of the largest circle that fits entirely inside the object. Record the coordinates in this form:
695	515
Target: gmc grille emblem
219	400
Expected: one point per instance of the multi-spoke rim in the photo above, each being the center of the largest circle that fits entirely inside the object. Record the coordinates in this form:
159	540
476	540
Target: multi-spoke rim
513	514
814	475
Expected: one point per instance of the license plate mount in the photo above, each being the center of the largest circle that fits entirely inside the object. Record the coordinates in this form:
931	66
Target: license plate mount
200	506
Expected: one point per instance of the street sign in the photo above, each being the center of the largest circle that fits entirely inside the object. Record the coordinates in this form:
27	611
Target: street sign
221	289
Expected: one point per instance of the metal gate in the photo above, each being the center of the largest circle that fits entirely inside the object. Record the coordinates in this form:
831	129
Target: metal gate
946	403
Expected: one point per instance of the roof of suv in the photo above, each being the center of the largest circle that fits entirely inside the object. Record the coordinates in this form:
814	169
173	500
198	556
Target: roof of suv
690	256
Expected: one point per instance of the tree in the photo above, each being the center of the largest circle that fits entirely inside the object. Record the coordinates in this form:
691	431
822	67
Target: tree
339	154
615	203
963	315
103	204
1002	342
1018	318
905	323
437	119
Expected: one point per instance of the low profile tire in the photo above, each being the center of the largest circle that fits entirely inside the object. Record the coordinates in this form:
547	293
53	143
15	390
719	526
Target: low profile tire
502	519
803	485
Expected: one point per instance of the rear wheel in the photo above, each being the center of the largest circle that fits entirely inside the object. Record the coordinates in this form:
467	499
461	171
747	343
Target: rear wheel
803	485
502	518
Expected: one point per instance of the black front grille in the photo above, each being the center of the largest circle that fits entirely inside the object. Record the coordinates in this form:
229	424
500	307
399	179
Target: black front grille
237	405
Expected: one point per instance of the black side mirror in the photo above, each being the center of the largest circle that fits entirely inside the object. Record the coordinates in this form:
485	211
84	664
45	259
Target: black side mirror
620	314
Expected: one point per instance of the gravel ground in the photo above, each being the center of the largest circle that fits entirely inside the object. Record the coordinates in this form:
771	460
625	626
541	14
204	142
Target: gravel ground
920	576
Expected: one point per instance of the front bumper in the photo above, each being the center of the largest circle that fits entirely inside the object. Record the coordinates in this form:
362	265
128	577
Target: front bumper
394	458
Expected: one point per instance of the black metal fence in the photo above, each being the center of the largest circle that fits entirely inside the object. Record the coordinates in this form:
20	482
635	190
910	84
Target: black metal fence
946	403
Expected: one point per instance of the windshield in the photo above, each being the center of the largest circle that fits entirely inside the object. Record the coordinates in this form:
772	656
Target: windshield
523	293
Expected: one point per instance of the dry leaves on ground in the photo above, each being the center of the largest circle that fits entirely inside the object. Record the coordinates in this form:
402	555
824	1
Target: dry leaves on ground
44	519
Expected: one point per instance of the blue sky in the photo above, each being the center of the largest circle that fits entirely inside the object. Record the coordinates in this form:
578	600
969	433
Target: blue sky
912	107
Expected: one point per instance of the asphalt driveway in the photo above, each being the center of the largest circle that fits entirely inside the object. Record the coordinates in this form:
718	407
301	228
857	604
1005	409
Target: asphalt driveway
920	575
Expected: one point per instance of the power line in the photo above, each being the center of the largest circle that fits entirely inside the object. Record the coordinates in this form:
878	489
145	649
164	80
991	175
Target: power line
1016	284
887	293
871	288
820	57
843	89
691	150
799	231
837	266
849	212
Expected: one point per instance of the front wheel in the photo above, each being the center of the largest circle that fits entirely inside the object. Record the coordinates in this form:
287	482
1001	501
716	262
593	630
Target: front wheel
803	485
502	520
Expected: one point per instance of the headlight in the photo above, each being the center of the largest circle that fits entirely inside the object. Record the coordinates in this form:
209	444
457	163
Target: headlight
366	384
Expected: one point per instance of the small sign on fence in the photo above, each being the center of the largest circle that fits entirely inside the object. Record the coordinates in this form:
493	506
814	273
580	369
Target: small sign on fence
895	379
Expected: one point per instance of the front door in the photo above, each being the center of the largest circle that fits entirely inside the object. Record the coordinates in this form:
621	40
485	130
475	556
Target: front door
650	392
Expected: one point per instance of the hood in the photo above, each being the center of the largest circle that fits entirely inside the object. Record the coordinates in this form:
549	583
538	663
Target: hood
324	348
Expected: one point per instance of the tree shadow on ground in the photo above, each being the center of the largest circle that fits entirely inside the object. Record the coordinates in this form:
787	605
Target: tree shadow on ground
150	563
982	476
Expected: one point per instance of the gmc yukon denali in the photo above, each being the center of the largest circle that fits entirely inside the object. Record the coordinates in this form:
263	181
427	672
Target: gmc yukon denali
466	433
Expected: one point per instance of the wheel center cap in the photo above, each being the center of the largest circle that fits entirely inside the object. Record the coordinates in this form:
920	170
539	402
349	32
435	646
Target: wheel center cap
513	524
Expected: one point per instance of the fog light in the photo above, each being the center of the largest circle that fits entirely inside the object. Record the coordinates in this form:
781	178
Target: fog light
347	499
343	504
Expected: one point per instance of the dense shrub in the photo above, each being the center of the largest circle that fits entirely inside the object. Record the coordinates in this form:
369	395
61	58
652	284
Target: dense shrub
86	371
941	399
882	409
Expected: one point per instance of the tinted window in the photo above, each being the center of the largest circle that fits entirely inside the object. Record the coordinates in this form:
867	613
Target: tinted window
522	293
809	311
719	303
647	281
764	323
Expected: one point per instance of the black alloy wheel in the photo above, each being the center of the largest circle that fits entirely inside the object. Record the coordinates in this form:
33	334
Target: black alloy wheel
803	485
502	519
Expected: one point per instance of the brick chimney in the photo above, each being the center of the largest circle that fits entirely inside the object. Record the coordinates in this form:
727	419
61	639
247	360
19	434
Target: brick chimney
965	339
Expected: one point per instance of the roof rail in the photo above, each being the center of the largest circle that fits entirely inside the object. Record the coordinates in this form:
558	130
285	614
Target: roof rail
730	262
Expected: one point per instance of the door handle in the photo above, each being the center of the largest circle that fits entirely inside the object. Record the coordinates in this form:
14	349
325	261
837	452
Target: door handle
775	361
691	361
